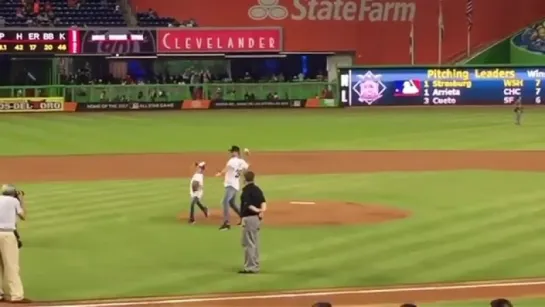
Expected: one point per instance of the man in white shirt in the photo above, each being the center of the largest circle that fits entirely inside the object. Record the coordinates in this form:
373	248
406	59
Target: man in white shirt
232	171
11	206
196	191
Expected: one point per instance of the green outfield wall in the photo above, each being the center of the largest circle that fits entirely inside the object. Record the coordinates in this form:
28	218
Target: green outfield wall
173	92
497	54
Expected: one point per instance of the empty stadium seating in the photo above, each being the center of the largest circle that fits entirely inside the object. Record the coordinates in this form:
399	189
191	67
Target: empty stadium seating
92	13
146	20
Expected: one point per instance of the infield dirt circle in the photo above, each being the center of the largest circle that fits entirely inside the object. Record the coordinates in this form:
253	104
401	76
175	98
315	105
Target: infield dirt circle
147	166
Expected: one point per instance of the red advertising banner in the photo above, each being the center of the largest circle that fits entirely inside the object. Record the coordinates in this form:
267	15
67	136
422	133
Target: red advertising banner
376	31
219	40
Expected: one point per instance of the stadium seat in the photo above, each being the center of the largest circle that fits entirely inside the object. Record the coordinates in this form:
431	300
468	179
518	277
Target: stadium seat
90	13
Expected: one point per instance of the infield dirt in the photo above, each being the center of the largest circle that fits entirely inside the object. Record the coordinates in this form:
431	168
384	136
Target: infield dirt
147	166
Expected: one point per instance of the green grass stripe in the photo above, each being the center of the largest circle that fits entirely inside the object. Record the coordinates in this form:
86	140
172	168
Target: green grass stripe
420	128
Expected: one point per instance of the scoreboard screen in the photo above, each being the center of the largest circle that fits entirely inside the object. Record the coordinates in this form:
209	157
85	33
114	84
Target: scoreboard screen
73	41
41	41
486	85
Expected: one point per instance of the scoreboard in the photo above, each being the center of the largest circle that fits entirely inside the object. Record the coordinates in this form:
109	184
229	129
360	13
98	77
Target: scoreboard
42	41
455	85
74	41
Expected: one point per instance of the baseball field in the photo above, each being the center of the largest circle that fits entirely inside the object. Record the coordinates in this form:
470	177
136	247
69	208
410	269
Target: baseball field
372	207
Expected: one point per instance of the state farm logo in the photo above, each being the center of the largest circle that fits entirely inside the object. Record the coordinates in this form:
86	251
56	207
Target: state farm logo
334	10
268	9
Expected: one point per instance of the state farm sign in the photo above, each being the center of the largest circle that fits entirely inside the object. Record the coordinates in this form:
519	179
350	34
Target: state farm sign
219	40
333	10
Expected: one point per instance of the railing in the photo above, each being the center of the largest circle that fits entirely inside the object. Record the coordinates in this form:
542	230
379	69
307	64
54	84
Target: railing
172	92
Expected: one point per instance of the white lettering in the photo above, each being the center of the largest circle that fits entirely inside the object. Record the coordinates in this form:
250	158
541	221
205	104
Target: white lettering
448	100
348	10
512	91
207	43
166	45
446	92
531	73
33	36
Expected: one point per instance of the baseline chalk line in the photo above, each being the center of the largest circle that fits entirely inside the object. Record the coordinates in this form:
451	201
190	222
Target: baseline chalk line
145	302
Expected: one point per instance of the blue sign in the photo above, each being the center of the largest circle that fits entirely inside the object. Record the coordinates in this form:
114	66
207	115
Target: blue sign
441	85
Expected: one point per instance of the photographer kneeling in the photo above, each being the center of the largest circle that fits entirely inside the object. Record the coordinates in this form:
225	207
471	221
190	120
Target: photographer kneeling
11	206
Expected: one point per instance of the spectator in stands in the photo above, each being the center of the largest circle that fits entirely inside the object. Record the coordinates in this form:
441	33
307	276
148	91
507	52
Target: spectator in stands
218	95
249	96
327	92
191	23
36	7
230	95
500	302
152	14
247	78
272	96
186	77
2	22
19	13
43	18
320	76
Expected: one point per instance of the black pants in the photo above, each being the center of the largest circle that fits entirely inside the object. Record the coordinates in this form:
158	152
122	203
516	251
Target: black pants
19	242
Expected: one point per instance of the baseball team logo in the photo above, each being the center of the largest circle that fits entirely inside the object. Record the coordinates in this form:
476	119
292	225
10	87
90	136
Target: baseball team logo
268	9
369	88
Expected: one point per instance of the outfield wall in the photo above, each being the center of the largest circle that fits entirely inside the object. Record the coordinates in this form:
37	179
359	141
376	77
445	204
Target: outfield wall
497	54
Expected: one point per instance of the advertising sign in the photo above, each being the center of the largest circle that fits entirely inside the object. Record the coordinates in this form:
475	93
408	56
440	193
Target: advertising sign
258	104
234	40
377	31
128	106
31	104
454	85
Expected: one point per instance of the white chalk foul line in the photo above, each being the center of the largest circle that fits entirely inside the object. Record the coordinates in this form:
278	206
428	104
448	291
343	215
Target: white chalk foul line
303	294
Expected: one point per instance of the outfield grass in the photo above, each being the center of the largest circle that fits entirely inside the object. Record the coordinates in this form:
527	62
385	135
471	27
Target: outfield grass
113	238
383	128
120	238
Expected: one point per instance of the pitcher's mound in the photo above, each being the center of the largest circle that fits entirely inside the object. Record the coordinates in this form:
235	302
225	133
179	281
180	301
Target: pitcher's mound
306	213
